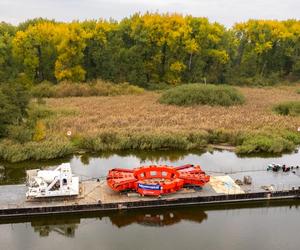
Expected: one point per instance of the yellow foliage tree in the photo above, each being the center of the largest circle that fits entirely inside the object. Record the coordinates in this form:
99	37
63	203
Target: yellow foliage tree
68	65
39	131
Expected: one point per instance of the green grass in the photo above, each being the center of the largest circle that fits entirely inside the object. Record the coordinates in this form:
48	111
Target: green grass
288	108
200	94
98	88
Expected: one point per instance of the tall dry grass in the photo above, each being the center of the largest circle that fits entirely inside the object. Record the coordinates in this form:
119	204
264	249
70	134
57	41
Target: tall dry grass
143	113
95	88
139	122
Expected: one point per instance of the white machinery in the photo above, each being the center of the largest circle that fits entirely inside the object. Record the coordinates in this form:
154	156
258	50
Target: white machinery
52	183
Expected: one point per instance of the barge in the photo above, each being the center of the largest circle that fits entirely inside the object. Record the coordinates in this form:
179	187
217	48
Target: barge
97	195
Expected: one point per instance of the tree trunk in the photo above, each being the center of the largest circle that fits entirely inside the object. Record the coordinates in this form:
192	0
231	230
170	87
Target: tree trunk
190	61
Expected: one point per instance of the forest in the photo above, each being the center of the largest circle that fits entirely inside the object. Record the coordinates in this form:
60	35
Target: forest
150	49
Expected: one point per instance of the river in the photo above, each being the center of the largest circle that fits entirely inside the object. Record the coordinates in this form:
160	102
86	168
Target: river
264	225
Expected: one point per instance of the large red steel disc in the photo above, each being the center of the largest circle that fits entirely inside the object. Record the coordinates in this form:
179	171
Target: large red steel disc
156	180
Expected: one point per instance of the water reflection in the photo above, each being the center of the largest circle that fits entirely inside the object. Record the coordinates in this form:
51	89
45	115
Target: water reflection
156	218
62	227
68	225
143	156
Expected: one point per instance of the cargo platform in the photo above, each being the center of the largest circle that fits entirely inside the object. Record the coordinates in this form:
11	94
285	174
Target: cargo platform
97	196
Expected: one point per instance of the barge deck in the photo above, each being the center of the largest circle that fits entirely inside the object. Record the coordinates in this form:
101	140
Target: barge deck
97	196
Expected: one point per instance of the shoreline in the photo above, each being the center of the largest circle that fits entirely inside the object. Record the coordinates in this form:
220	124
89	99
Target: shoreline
11	152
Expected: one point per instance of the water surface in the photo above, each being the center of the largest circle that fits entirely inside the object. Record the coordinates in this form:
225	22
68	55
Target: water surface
256	226
88	166
263	226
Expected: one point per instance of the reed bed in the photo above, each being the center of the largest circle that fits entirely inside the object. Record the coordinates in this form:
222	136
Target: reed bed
143	113
140	122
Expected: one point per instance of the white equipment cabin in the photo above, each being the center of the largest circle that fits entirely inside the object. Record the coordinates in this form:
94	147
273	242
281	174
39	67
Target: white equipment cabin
52	183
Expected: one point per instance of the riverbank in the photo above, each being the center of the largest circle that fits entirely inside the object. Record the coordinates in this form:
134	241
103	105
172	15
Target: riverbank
101	124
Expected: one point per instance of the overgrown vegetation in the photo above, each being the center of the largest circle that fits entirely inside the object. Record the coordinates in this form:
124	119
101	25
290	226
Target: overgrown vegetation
98	88
107	141
124	123
269	141
152	49
32	150
288	108
14	98
195	94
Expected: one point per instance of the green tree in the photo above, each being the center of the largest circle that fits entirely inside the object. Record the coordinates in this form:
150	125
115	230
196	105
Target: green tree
14	99
7	67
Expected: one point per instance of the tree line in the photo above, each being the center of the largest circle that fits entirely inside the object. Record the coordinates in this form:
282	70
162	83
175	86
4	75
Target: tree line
151	48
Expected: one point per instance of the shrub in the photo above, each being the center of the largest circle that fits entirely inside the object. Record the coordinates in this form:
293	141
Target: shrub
20	134
65	89
298	91
98	88
257	80
45	150
44	89
107	141
288	108
200	94
220	136
158	86
39	112
265	143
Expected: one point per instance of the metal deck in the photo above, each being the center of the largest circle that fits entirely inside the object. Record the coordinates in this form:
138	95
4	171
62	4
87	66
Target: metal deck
98	196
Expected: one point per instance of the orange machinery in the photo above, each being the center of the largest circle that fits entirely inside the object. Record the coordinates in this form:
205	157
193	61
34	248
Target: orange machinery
156	180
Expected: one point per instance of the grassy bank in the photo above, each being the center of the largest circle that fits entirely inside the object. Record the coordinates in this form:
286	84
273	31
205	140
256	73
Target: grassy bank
246	143
140	122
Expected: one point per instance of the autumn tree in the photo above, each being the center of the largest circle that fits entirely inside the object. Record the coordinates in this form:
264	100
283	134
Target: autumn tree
151	48
68	65
35	51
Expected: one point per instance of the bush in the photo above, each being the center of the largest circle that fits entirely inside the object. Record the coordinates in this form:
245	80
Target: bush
107	141
288	108
158	86
45	150
98	88
298	91
257	80
265	143
20	134
200	94
44	89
